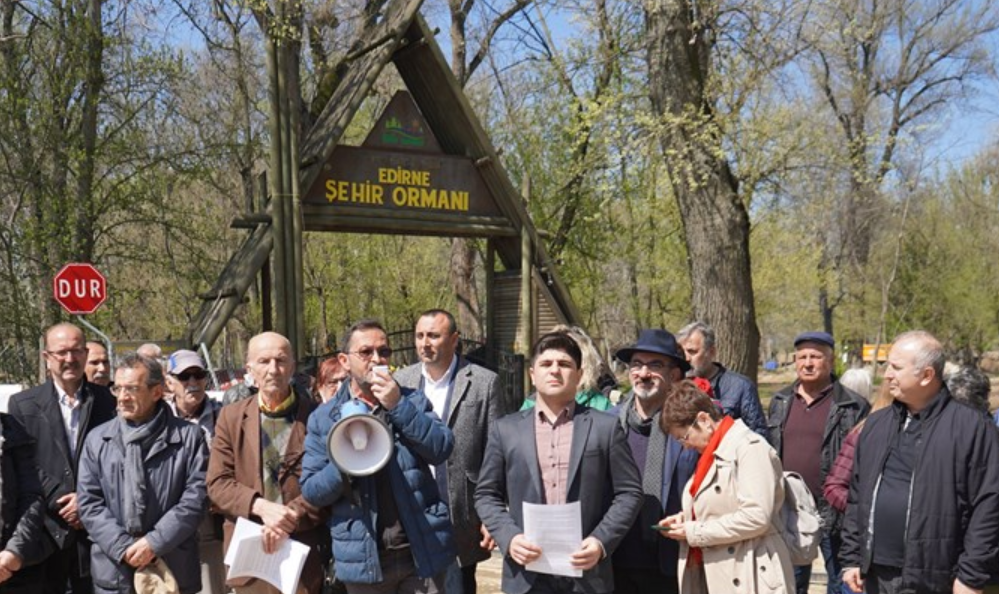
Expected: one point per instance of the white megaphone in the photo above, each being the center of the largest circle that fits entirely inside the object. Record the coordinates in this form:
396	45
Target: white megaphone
360	444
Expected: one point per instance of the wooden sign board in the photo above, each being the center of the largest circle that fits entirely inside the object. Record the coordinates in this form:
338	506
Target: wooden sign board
399	175
399	183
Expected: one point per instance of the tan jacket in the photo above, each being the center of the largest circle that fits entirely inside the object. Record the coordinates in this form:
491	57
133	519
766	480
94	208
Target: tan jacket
737	509
235	480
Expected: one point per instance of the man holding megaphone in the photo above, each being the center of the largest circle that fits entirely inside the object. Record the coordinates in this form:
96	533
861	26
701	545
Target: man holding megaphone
368	453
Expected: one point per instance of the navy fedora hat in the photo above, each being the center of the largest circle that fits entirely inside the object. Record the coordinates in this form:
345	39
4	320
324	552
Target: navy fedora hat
656	341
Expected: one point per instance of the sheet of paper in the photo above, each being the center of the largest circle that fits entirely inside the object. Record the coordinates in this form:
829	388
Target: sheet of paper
558	530
246	557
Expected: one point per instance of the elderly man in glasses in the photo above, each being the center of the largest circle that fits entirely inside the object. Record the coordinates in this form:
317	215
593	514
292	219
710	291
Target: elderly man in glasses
142	486
256	462
391	532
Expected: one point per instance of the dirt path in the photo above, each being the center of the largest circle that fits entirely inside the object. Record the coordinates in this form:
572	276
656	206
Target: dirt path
489	573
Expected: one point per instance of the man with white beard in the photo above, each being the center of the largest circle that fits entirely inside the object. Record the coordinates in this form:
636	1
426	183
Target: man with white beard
187	378
645	562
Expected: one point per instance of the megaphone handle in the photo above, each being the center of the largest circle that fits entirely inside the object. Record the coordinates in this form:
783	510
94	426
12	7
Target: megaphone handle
351	492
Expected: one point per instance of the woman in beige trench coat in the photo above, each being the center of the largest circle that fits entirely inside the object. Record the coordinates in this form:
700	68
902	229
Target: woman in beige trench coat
729	533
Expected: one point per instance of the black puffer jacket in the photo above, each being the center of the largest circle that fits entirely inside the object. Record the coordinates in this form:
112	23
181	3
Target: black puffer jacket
953	519
848	408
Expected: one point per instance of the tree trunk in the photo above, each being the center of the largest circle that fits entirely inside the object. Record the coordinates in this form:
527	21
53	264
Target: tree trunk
462	268
94	85
462	273
715	221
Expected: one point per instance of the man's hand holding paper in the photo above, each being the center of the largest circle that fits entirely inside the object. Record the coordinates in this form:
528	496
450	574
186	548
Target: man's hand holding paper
524	551
279	522
588	555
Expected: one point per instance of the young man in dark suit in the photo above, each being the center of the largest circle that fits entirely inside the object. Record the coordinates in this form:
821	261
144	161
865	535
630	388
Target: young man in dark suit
467	398
537	456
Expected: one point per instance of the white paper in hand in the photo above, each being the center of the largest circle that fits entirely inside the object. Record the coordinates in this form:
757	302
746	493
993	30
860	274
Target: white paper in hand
558	530
246	557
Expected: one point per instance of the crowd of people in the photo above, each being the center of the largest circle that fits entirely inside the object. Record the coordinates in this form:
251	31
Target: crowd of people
124	476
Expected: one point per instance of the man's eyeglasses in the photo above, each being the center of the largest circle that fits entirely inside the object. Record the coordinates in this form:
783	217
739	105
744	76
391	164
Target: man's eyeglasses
129	390
199	375
686	436
653	366
66	353
367	353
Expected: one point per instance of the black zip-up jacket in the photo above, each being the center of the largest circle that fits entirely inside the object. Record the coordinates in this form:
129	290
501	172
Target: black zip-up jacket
952	526
848	408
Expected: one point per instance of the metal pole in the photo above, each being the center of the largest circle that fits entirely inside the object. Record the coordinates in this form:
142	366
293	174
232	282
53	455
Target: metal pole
107	341
208	361
490	341
526	301
42	370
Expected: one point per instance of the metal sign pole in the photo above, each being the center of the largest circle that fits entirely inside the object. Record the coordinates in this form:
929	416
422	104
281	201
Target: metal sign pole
107	341
208	361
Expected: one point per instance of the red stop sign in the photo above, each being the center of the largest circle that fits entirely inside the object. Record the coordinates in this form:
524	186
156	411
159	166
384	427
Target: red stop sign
79	288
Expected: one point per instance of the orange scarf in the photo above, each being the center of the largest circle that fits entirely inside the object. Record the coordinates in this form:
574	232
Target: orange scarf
696	557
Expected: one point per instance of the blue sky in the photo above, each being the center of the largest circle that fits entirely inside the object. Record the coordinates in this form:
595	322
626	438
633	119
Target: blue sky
960	133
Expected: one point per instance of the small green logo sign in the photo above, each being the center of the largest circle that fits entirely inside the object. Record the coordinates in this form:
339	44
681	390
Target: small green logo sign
397	133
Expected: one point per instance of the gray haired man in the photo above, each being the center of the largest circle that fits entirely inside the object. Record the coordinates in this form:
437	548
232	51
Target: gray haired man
736	392
923	512
141	489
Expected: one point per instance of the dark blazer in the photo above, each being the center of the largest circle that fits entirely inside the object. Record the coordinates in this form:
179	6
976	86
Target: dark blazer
602	477
38	410
21	504
475	405
235	479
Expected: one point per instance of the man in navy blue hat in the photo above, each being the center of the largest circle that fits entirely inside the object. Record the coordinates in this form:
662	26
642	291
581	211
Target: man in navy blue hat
645	562
807	423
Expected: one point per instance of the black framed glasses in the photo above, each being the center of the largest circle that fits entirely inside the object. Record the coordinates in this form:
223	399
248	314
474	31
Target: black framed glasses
653	366
368	352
